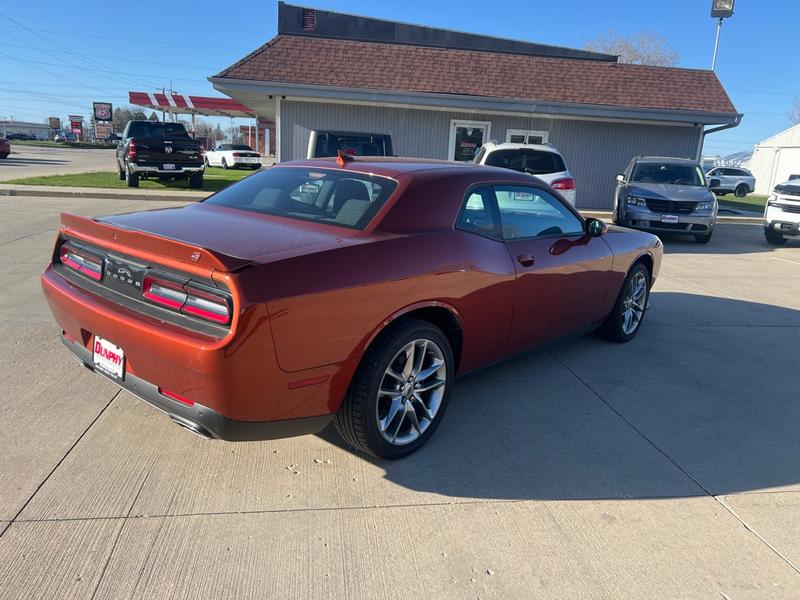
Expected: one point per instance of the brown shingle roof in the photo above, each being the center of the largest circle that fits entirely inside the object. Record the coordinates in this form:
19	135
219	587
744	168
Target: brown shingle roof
396	67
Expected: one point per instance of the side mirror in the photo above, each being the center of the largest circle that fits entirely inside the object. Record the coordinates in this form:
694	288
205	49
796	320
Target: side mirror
595	227
714	183
620	178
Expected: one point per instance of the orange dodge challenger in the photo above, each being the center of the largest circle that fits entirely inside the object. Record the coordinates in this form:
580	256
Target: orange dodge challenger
352	290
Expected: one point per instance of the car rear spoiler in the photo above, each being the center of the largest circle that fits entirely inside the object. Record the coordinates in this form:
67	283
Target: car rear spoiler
148	242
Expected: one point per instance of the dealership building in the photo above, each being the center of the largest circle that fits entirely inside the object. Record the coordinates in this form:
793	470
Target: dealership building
442	94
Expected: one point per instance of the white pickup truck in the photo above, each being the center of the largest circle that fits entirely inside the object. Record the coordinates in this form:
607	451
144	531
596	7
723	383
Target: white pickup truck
232	156
782	213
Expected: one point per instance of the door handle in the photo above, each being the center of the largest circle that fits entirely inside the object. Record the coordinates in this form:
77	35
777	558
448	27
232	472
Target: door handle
526	260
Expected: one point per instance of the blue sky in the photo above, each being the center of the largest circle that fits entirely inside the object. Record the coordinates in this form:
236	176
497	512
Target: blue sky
58	57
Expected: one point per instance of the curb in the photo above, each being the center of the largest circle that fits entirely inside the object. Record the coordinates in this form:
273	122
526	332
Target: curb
110	193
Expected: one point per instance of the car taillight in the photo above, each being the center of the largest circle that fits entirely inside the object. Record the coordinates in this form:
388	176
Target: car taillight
81	262
206	305
188	299
132	149
163	292
567	183
237	153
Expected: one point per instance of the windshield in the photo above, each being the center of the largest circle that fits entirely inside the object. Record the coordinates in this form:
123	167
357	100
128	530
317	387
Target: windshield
167	131
535	162
321	195
668	173
362	145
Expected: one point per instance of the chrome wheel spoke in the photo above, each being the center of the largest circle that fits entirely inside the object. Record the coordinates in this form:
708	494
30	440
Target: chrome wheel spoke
419	402
428	372
431	386
394	375
408	368
396	407
411	413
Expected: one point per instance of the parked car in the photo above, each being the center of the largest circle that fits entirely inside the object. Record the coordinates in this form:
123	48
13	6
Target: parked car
732	181
5	148
540	160
159	149
666	195
232	156
782	213
350	290
323	144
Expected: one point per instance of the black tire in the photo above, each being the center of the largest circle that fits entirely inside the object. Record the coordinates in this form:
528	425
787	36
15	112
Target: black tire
703	239
357	418
132	179
741	190
775	239
205	161
224	163
196	181
120	173
612	328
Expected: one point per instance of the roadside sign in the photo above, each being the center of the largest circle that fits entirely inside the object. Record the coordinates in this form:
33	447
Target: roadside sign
102	112
102	131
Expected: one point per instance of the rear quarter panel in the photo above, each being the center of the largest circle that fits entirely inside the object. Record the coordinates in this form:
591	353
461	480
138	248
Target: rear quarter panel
326	307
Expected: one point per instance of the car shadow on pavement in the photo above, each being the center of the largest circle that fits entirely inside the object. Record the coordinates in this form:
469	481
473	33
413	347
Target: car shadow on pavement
703	401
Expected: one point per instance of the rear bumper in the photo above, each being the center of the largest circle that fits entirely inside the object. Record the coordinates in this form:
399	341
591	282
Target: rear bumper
158	170
200	419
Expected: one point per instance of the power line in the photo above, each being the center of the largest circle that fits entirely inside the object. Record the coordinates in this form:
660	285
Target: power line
32	63
141	41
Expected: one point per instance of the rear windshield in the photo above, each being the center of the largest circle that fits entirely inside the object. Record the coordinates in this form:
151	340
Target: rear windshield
167	131
321	195
234	147
360	145
535	162
670	174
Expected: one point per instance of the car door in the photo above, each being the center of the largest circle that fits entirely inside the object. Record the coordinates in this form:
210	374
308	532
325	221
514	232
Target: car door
562	273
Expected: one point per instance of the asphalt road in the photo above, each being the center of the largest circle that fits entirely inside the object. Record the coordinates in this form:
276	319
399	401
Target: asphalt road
33	161
665	468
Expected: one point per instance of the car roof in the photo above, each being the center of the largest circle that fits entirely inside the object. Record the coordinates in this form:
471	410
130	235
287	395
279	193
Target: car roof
666	159
514	146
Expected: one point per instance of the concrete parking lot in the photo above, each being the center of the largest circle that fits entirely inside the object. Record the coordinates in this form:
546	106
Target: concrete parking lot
35	161
665	468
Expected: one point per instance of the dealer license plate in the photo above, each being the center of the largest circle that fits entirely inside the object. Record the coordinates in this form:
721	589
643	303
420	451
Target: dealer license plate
669	218
169	167
108	358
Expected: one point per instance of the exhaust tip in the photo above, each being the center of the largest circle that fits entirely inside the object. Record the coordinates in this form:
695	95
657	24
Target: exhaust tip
191	426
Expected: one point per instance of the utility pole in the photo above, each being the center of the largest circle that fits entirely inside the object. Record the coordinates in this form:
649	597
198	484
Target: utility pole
720	9
716	45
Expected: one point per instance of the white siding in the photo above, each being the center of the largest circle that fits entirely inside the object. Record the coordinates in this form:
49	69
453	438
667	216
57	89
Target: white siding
775	159
595	151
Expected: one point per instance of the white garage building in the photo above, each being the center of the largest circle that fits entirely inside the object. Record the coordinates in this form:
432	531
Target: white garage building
776	159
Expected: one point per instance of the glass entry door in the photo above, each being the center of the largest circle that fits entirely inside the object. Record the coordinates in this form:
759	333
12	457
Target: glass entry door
466	138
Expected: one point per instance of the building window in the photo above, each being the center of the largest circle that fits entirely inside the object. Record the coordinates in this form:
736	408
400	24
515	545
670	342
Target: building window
466	138
527	136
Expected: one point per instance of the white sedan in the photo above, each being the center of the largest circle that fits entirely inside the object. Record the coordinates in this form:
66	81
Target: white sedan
231	156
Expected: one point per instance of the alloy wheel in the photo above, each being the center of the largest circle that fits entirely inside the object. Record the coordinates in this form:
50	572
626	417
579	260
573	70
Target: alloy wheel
411	392
633	304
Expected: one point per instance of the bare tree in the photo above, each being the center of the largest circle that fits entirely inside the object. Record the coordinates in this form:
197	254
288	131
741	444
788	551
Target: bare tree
638	48
794	111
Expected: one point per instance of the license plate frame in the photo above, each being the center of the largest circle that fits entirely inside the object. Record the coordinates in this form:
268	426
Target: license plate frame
108	358
169	166
670	219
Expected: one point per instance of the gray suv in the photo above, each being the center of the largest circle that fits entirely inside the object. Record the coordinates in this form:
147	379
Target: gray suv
732	180
666	195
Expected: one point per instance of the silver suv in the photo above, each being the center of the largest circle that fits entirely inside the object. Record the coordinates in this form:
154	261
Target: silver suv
732	180
666	195
540	160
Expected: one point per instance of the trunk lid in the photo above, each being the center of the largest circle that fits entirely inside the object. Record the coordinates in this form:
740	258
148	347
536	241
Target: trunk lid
233	233
160	150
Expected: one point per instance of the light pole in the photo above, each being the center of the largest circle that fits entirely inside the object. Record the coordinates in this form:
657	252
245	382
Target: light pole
720	9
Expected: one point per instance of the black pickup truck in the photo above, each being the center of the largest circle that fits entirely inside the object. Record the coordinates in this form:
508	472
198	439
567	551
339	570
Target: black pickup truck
159	149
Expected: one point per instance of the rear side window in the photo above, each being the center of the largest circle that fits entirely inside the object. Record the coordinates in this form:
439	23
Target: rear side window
328	144
326	196
534	162
478	214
